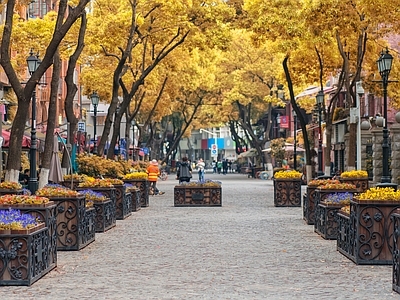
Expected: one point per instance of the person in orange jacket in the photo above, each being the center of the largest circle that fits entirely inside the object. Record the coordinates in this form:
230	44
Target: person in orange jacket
153	171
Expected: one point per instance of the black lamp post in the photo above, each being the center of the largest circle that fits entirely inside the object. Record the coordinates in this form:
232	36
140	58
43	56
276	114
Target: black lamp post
384	66
94	98
295	140
33	62
320	102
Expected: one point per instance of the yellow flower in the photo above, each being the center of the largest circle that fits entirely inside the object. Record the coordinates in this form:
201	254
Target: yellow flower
292	174
136	175
382	194
354	174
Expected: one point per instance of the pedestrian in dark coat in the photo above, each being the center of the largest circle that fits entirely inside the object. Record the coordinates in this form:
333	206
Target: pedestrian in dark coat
184	171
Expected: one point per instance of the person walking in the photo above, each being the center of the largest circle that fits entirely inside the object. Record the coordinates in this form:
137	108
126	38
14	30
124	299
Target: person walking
224	166
153	171
214	166
200	167
184	172
219	166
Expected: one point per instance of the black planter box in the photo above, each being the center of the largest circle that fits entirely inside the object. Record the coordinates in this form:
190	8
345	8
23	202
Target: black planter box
143	185
135	198
105	215
367	238
287	192
24	257
197	196
396	252
75	223
309	205
326	222
123	204
47	214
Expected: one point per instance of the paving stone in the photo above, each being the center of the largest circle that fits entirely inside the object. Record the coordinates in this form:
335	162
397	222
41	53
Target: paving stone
246	249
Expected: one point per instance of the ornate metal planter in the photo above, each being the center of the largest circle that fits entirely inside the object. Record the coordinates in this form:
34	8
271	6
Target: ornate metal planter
123	204
105	215
197	196
344	236
75	223
287	192
396	252
368	239
361	184
143	185
326	223
47	214
24	255
309	205
135	198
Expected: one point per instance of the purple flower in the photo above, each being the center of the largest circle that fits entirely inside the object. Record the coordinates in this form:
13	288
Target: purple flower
14	216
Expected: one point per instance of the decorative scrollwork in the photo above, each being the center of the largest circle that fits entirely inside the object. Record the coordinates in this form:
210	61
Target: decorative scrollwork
287	193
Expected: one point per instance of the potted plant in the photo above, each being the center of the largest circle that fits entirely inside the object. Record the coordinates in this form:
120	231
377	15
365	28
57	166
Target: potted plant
287	188
196	193
309	198
105	210
357	177
140	180
9	187
42	209
72	180
75	222
134	192
22	241
367	238
326	224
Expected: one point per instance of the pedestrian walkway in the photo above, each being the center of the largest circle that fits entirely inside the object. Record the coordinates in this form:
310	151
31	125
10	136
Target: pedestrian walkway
246	249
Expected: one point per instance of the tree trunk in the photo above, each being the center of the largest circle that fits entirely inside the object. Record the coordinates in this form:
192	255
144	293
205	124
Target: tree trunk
24	94
51	124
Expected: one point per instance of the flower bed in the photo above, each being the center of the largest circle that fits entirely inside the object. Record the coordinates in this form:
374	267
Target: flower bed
41	209
135	196
123	203
75	223
72	181
287	189
143	185
8	187
24	248
309	198
207	193
105	210
326	220
368	236
358	178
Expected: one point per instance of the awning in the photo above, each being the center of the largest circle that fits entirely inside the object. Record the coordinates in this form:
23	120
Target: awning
26	141
288	147
313	91
250	153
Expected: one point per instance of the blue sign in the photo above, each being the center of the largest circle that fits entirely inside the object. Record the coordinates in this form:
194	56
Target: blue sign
146	151
81	126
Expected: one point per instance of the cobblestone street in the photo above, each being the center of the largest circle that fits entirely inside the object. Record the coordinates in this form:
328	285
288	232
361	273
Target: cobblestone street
246	249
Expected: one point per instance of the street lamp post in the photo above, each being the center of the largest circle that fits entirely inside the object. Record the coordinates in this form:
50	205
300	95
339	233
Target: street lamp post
384	66
295	140
320	102
33	62
94	98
